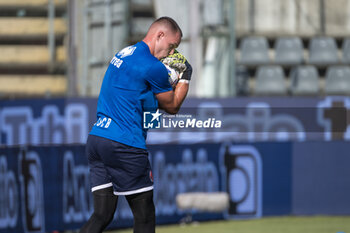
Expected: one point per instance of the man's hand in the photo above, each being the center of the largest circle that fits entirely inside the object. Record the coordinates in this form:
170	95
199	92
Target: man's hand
186	75
178	62
171	101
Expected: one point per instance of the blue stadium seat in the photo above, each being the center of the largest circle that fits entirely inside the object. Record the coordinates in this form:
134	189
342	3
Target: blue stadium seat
338	80
289	51
270	80
323	51
346	50
254	51
304	80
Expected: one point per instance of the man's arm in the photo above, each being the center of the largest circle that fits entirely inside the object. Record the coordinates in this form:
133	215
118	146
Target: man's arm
171	101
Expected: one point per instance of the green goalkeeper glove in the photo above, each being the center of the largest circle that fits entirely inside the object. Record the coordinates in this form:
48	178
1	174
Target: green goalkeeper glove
178	62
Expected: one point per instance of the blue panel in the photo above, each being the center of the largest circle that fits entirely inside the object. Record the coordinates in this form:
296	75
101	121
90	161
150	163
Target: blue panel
10	207
183	168
277	177
321	178
46	188
62	121
46	122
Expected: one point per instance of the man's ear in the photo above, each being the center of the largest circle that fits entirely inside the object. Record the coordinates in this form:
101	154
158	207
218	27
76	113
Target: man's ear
160	35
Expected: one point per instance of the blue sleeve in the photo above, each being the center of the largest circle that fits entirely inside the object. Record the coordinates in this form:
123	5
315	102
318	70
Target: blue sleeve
157	77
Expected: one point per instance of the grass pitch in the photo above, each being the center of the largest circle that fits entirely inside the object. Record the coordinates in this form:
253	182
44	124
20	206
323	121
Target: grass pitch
317	224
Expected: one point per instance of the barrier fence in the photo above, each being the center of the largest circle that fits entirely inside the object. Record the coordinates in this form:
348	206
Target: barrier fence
46	188
273	156
67	121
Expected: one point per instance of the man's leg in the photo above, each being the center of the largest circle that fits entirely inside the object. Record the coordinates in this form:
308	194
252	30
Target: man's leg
105	203
142	207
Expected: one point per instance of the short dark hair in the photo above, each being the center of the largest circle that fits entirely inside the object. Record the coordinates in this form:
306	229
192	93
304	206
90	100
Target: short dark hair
169	22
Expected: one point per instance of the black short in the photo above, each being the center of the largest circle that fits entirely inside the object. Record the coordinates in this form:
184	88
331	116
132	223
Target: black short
125	168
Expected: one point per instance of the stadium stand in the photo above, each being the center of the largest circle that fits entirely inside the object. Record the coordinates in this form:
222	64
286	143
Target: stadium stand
323	51
270	80
254	51
304	80
25	26
304	59
27	56
32	27
289	51
30	4
338	80
27	66
29	84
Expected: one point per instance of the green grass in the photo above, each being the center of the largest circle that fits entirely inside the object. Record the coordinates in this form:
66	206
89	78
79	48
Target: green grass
318	224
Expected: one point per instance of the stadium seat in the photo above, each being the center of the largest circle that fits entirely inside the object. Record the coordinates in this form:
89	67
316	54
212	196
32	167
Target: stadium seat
323	51
304	80
289	51
270	80
346	50
254	51
338	80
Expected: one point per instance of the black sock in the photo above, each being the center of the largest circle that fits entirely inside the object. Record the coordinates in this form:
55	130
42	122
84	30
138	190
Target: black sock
143	209
105	203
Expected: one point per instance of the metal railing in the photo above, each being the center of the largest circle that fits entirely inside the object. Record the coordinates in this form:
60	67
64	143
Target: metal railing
51	35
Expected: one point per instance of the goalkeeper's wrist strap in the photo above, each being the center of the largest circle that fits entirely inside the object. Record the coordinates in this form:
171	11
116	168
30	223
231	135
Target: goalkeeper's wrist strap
184	81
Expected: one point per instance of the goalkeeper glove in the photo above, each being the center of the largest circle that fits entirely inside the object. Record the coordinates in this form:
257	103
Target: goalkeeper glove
178	62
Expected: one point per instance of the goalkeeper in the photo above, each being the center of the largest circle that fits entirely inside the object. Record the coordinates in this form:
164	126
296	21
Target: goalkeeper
135	81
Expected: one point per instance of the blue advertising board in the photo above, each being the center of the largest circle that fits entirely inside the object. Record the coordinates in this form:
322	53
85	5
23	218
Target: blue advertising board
46	188
321	178
67	121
